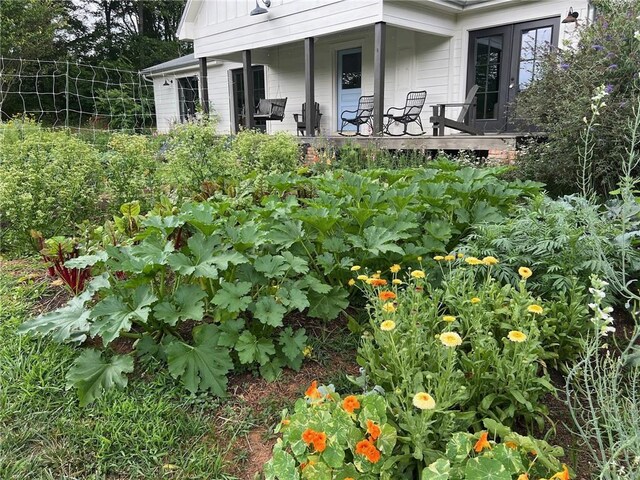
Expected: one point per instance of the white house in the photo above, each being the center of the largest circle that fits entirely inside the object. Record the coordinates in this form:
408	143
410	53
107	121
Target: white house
333	51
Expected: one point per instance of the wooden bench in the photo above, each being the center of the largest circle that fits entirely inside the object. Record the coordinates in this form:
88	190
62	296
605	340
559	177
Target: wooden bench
270	109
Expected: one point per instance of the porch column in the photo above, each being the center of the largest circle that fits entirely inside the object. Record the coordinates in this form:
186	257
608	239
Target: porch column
204	86
249	102
378	77
309	87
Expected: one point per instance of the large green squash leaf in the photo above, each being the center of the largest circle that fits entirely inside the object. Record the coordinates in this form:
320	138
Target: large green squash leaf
204	365
186	304
269	312
233	296
115	314
92	375
329	305
252	349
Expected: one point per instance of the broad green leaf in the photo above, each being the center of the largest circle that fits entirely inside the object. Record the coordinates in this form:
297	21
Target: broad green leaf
233	296
86	260
281	466
297	264
509	457
147	349
294	298
230	332
131	209
67	324
333	456
438	470
200	262
378	240
328	306
458	447
164	224
201	215
115	314
292	343
271	266
204	365
153	251
484	468
251	349
92	375
387	439
185	304
271	370
222	260
287	233
121	260
269	312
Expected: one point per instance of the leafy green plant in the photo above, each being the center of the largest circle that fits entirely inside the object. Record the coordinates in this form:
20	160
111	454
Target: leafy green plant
327	437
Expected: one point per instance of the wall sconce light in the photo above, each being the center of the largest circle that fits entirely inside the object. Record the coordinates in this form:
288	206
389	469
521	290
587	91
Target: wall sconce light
259	10
166	83
572	17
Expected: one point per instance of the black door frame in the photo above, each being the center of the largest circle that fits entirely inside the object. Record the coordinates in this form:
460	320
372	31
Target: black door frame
509	81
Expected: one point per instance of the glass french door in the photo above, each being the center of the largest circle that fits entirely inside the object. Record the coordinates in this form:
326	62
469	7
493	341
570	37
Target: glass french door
349	82
259	91
504	61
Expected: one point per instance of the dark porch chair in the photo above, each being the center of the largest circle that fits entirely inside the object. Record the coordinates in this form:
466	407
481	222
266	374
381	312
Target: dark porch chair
363	115
270	109
409	114
464	122
301	120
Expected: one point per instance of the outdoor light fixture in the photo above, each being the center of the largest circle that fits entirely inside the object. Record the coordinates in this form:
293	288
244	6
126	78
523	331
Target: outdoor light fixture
259	10
166	83
572	16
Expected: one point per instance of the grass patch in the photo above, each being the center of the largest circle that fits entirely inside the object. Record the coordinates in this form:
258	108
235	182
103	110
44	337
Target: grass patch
151	430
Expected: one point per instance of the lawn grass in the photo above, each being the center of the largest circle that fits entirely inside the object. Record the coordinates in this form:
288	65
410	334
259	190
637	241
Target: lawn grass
153	430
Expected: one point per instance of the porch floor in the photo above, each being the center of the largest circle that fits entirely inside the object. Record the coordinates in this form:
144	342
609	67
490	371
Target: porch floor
500	142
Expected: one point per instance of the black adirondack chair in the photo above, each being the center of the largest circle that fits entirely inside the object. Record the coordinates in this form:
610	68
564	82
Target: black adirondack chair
464	122
363	115
409	114
301	120
270	109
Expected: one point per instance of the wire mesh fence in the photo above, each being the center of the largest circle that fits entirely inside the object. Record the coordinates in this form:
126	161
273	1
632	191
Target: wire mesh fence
76	96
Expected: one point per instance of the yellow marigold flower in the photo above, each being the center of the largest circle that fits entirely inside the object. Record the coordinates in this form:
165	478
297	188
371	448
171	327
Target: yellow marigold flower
460	255
375	275
424	401
355	268
449	318
473	261
525	272
307	351
537	309
490	260
475	300
437	258
387	325
363	277
396	281
450	339
449	258
417	274
388	307
516	336
395	268
351	282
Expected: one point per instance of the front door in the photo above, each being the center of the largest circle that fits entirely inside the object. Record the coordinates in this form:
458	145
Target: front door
259	91
349	82
504	61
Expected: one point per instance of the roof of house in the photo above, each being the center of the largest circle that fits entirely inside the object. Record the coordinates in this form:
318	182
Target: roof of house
176	63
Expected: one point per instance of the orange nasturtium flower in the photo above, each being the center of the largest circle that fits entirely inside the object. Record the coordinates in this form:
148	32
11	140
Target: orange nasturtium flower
350	403
386	295
482	443
313	392
523	476
369	450
377	282
511	445
563	475
373	430
317	439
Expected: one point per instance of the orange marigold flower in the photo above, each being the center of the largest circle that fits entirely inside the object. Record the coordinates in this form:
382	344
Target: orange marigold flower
386	295
350	403
368	450
312	391
482	443
563	475
378	282
373	430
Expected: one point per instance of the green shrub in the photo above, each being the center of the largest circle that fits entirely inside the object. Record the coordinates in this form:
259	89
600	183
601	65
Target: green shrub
130	170
608	54
48	181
